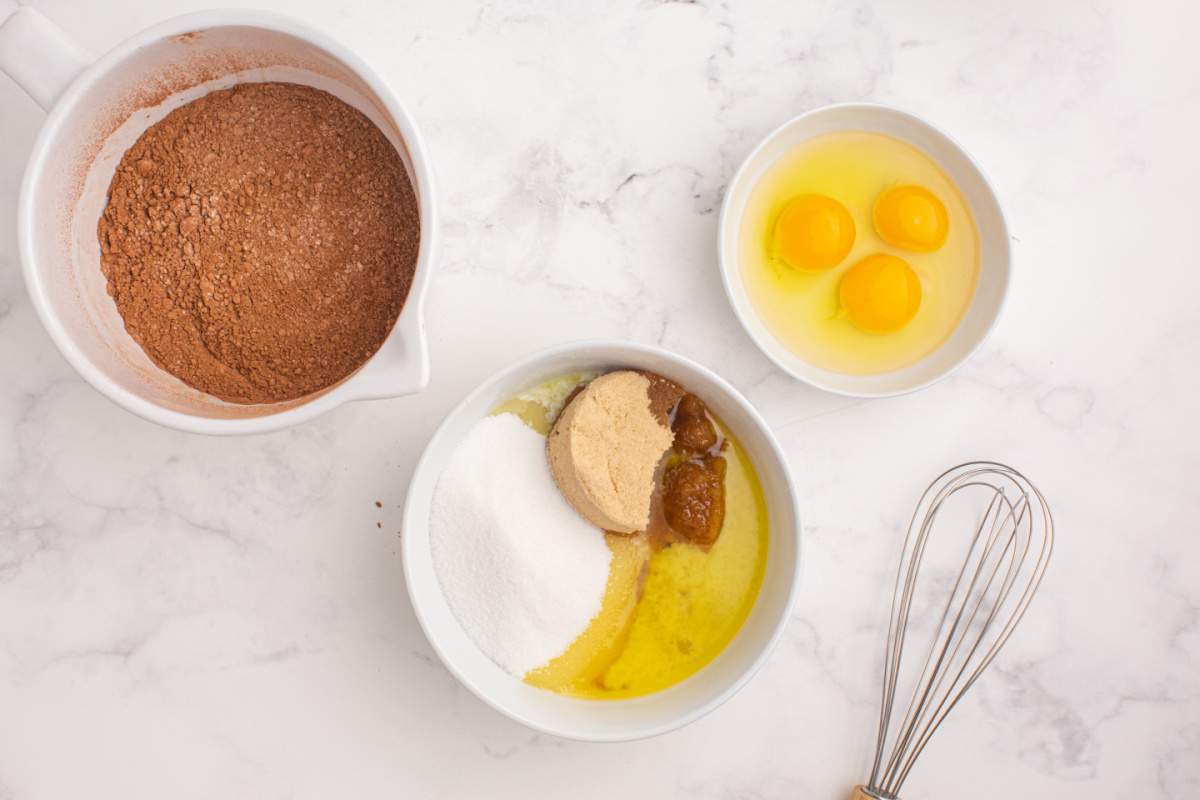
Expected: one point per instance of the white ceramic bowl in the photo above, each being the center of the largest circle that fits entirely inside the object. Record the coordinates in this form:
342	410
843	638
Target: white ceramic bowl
995	258
97	110
607	720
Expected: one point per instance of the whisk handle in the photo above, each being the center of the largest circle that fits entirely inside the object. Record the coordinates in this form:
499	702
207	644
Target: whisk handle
862	793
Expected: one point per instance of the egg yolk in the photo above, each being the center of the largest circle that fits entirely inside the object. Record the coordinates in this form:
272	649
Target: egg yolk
912	218
880	294
813	232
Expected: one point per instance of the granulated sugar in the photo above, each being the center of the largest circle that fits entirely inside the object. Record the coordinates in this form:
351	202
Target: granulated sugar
521	570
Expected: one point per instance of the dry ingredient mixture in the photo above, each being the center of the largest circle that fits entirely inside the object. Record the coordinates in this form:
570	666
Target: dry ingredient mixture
259	242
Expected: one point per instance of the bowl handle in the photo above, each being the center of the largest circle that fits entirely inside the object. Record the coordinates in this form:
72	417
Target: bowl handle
37	54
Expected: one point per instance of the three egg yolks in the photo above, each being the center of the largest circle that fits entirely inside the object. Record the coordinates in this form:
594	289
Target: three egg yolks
881	293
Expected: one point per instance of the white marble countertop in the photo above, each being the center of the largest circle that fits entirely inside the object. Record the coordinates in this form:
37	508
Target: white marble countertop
184	616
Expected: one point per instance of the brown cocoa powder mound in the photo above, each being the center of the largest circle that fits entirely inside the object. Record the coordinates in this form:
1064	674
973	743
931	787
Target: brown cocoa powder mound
259	242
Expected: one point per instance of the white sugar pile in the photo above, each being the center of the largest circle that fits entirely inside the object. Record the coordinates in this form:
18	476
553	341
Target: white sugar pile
522	571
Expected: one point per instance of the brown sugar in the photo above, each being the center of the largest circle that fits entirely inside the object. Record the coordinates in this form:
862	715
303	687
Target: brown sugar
259	242
693	486
694	499
663	394
635	452
694	431
605	448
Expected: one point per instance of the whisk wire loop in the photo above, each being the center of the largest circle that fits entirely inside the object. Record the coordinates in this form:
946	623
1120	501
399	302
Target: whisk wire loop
1006	557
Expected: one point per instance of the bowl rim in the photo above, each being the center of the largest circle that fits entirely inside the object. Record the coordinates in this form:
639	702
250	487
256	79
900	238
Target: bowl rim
423	184
727	229
777	627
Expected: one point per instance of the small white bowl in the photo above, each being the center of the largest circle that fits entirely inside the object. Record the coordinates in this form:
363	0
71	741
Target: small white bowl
607	720
994	254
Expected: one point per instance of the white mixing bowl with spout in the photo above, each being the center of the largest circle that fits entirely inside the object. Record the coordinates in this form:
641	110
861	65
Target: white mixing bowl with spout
97	110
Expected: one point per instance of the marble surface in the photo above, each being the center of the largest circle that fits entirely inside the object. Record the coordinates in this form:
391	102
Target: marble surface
192	617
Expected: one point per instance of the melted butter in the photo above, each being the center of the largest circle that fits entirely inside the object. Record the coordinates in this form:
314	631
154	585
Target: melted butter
538	407
693	603
664	614
583	665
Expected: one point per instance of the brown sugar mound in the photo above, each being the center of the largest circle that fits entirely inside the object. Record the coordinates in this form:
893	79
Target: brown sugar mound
604	450
693	488
259	242
694	499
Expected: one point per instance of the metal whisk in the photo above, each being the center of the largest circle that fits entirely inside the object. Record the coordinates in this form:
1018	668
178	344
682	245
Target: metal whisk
1007	549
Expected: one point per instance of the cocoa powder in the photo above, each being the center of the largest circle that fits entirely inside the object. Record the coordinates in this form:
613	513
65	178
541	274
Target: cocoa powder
259	242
